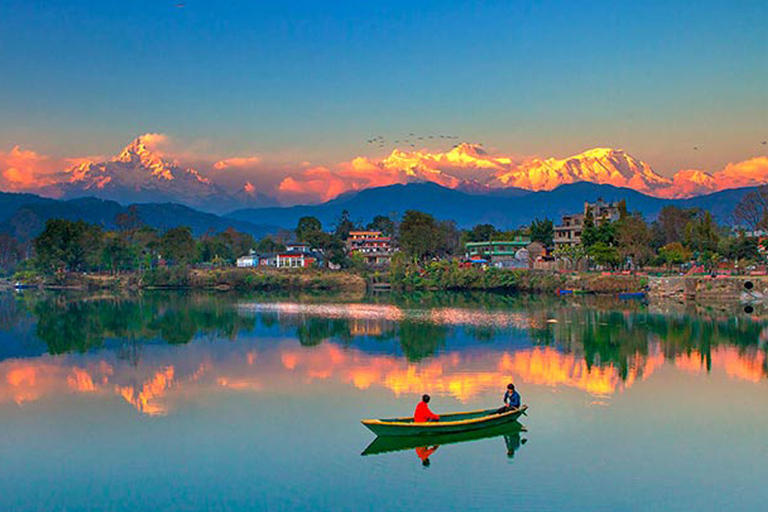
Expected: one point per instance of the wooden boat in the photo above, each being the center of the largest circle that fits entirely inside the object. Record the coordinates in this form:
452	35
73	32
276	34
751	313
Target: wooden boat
386	444
455	422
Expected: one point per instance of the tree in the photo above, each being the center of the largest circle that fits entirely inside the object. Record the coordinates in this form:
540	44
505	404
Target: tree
384	224
543	231
604	254
117	254
129	222
739	248
420	235
177	245
68	246
669	226
306	227
752	209
482	233
633	239
701	233
330	245
344	225
449	241
11	253
267	244
674	254
572	254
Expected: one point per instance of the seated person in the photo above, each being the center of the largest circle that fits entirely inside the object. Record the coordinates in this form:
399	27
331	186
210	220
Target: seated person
511	399
423	413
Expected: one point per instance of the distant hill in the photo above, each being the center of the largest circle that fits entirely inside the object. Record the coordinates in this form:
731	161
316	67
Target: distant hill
467	209
24	215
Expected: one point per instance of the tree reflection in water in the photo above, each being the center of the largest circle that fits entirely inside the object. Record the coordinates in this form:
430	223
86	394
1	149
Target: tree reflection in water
420	326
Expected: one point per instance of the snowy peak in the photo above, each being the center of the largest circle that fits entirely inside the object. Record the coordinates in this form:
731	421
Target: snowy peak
599	165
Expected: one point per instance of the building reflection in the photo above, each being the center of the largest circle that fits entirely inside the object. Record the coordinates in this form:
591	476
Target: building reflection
120	347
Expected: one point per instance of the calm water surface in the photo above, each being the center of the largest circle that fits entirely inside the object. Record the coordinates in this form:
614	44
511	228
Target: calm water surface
224	402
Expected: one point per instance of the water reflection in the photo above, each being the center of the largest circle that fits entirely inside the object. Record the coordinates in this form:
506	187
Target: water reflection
425	446
139	348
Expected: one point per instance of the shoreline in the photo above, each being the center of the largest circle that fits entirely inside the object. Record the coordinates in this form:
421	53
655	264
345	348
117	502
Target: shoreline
682	289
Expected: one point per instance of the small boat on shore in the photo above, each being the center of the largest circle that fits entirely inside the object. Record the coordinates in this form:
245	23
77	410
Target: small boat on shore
449	423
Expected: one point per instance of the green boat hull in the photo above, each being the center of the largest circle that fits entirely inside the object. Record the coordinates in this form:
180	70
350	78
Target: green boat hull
389	444
449	423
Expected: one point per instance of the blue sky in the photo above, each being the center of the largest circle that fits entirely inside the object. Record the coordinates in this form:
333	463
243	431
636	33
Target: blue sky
310	80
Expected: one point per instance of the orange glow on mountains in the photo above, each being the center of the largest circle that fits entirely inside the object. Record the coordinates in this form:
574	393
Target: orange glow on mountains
150	161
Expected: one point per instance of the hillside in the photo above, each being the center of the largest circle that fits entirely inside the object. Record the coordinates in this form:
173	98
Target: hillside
470	209
24	215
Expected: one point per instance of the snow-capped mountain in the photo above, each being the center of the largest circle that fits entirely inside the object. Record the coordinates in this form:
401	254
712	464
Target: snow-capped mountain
605	166
141	174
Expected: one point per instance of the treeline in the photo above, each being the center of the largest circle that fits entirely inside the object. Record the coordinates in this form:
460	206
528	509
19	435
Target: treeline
677	236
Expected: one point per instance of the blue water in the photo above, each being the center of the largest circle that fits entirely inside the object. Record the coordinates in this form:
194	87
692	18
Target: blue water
176	402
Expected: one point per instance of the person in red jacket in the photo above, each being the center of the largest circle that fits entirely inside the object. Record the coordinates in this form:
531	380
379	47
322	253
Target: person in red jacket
423	413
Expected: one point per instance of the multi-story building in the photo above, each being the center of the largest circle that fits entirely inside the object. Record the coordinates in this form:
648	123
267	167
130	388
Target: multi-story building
372	245
497	252
570	229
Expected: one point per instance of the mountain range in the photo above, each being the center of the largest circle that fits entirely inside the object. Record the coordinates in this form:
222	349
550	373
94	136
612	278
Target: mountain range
141	173
467	209
24	215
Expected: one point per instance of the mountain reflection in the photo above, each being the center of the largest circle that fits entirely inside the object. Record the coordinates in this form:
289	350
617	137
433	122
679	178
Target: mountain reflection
459	346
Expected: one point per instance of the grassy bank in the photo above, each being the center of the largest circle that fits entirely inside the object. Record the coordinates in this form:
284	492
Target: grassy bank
242	279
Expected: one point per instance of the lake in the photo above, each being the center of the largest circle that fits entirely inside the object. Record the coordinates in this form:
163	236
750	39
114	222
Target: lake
185	402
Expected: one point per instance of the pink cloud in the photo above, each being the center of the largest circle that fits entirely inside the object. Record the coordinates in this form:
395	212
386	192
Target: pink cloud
25	170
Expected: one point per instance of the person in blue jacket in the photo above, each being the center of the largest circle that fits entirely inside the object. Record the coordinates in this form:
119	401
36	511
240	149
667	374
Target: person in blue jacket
511	399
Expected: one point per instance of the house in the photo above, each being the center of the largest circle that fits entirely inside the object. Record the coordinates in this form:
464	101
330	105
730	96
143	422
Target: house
249	260
497	251
372	245
569	231
283	259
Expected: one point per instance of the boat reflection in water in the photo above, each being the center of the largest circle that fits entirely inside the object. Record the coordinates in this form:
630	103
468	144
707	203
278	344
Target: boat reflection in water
425	446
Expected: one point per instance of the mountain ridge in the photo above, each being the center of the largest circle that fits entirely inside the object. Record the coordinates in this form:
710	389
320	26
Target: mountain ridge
470	209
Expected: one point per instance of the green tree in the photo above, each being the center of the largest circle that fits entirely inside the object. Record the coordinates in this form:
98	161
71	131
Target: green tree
633	239
701	233
674	254
669	226
344	225
604	254
420	235
268	244
482	233
330	246
306	227
117	254
384	224
543	231
11	253
177	245
68	246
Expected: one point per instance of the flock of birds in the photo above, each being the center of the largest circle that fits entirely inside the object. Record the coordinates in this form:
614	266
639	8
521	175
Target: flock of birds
410	140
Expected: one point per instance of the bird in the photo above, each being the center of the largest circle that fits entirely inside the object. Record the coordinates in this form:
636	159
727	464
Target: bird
695	148
765	142
181	6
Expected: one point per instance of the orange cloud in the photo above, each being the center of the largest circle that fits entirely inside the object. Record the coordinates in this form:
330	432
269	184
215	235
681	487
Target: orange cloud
464	165
25	170
237	162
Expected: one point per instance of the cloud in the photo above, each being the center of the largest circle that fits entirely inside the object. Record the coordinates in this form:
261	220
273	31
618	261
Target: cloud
237	163
464	165
25	170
